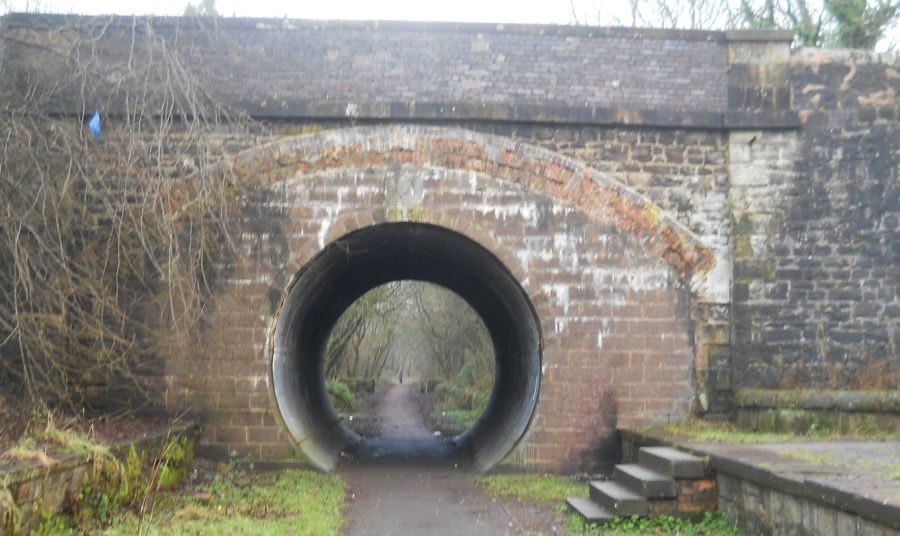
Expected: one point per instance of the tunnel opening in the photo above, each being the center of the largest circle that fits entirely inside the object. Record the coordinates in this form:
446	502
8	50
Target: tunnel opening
346	269
409	361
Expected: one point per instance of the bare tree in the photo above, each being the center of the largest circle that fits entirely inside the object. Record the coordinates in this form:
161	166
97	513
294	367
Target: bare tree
361	340
452	333
103	242
408	325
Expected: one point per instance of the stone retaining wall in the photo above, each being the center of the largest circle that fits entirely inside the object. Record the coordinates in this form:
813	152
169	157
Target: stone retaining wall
766	500
766	510
38	491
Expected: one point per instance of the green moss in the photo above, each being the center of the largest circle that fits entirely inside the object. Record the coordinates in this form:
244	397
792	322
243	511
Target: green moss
532	487
288	502
742	247
313	129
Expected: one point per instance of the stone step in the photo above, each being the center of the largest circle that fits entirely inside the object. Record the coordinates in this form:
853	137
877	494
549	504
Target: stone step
670	462
618	499
644	481
589	510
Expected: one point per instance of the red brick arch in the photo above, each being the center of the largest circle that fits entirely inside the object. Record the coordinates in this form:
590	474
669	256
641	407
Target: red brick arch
561	178
621	351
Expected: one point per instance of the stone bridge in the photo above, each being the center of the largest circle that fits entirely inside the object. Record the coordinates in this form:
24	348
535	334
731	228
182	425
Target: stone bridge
645	220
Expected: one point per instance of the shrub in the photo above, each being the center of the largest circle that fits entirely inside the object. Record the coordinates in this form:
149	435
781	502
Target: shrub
341	396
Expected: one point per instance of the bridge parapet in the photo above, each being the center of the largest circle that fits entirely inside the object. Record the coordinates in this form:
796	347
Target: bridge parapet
401	71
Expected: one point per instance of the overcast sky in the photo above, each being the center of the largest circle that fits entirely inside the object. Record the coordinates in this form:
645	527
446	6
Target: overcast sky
598	12
521	11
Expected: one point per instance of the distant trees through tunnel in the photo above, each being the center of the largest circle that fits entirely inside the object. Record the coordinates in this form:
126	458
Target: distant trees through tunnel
419	335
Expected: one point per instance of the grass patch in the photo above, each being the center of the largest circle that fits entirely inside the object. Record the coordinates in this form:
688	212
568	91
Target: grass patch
535	488
461	417
712	524
813	458
725	432
286	502
341	396
719	432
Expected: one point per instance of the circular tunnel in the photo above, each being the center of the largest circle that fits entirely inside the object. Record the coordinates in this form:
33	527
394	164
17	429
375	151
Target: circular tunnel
350	266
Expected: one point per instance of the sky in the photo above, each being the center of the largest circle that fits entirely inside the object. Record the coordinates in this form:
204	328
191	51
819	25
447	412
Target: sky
511	11
598	12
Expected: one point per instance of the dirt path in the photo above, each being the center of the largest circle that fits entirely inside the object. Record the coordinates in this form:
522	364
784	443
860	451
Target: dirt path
398	417
425	497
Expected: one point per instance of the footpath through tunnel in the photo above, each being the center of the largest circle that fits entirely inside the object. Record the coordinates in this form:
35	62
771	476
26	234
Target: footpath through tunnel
353	265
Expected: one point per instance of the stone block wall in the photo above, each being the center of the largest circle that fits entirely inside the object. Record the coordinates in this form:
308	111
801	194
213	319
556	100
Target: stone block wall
766	510
816	231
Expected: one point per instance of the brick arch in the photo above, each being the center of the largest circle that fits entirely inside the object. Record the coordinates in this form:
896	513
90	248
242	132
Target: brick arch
600	288
540	171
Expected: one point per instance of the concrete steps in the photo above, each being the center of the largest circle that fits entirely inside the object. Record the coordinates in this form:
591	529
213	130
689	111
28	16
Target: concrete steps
589	510
647	482
618	499
636	488
671	462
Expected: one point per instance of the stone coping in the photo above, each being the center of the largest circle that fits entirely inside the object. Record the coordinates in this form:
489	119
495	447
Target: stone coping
284	24
520	113
13	473
868	507
851	401
760	36
497	112
817	56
